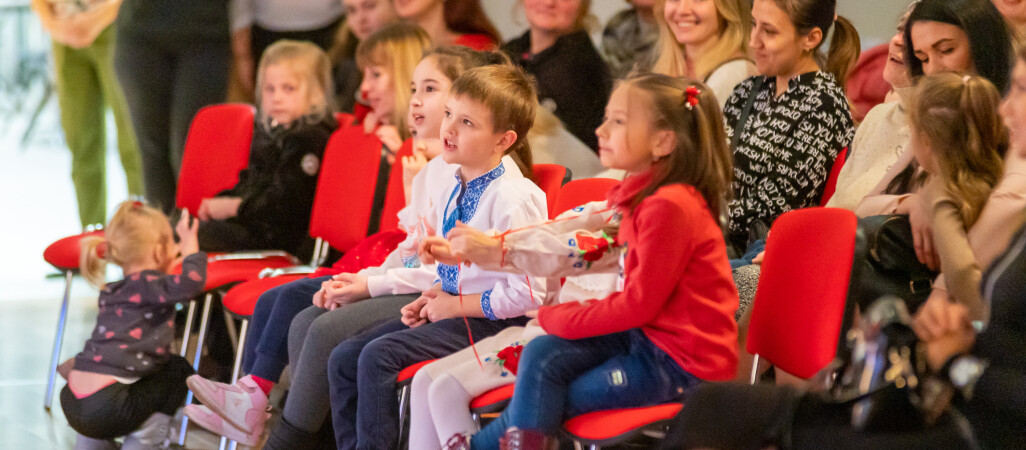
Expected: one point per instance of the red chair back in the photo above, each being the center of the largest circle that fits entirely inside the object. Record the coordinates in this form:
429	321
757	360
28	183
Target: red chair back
395	197
344	119
835	172
800	302
550	177
579	192
216	150
345	188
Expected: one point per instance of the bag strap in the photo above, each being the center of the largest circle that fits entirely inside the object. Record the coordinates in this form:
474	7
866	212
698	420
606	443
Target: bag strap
743	119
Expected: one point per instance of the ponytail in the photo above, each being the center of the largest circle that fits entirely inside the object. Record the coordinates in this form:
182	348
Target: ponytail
844	50
92	261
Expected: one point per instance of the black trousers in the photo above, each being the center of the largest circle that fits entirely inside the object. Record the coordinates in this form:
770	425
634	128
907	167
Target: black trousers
261	38
165	84
732	416
120	409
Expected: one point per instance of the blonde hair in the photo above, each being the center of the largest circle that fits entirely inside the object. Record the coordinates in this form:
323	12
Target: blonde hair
734	18
701	157
129	238
310	64
397	48
509	93
957	116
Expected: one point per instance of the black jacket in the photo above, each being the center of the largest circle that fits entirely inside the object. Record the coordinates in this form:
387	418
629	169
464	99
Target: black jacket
572	77
277	187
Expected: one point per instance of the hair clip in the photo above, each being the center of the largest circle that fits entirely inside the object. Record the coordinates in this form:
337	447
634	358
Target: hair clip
966	78
691	97
101	249
137	204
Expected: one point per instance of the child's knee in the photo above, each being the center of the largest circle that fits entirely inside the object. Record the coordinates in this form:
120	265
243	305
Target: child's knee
343	360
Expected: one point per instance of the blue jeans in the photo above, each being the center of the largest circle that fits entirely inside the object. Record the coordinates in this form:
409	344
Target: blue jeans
267	352
362	374
560	378
753	250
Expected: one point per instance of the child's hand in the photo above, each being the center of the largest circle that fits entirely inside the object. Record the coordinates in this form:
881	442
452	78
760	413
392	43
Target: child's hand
219	208
532	314
435	249
389	135
412	312
187	230
345	288
471	245
413	164
440	306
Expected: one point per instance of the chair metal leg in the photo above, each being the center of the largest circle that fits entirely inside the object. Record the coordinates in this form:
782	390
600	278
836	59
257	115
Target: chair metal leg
229	324
578	445
404	406
755	368
236	368
188	328
204	318
58	340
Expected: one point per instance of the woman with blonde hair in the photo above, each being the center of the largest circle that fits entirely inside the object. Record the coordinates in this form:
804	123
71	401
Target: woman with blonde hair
705	40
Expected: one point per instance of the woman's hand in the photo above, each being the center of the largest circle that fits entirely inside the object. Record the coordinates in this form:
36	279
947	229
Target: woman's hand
473	246
219	208
918	211
945	329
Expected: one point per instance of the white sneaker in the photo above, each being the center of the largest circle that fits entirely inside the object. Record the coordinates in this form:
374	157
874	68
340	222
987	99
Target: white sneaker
204	417
242	404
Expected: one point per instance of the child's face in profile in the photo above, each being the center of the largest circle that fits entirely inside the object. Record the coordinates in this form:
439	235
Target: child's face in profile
376	88
430	89
284	95
468	134
624	134
921	150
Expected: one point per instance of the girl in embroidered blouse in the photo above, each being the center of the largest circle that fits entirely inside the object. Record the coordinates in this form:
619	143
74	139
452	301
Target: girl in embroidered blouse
799	118
705	40
451	22
489	111
636	347
126	380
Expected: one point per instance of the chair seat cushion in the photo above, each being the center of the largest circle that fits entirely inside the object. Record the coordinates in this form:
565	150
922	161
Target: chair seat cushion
499	395
242	298
64	253
406	375
613	423
225	272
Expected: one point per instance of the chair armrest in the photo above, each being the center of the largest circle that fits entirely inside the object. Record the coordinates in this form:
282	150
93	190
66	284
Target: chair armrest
263	254
292	270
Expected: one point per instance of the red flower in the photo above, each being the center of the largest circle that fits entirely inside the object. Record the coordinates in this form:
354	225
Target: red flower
592	248
510	357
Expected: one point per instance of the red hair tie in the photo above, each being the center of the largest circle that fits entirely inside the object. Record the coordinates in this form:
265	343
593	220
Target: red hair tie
691	97
101	249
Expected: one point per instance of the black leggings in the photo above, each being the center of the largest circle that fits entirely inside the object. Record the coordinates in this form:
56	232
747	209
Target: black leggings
120	409
731	416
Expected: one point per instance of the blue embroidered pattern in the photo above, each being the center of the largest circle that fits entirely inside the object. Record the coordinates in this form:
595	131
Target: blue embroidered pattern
467	202
486	305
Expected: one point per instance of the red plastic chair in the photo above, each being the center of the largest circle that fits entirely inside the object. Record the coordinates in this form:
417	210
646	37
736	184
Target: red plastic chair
803	288
835	172
216	150
551	177
866	85
796	318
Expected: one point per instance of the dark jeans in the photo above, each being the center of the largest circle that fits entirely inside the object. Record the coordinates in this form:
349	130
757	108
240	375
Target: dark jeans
362	373
560	378
731	416
753	250
165	84
120	409
267	351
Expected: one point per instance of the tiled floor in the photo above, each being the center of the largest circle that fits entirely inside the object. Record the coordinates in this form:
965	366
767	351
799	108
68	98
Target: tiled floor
37	206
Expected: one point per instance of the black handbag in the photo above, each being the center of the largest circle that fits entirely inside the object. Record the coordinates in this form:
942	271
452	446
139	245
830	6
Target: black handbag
885	263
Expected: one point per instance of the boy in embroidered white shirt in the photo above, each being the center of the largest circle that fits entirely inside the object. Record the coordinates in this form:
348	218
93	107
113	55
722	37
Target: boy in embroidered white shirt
489	111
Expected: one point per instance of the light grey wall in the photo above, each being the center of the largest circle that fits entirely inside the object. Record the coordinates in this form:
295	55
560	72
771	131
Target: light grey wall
875	19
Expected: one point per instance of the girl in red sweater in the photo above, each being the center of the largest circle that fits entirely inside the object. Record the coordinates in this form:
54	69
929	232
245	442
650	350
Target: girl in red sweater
672	324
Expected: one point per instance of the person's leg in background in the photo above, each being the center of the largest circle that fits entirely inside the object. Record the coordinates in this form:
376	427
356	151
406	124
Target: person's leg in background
201	79
82	116
128	145
145	73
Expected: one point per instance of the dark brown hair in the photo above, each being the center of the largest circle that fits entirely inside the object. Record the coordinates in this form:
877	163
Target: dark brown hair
845	45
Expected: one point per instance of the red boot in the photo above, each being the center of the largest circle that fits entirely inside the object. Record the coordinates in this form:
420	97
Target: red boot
517	439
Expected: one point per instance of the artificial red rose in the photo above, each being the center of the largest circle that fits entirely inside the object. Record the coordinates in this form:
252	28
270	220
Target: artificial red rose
510	357
592	248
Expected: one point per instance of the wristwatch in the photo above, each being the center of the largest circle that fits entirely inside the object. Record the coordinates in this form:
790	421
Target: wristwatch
964	372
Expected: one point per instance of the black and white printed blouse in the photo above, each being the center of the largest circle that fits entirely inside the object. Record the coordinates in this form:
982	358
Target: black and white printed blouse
785	152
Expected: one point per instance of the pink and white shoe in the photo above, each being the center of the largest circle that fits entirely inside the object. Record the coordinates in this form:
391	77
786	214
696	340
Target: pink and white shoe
204	417
242	404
